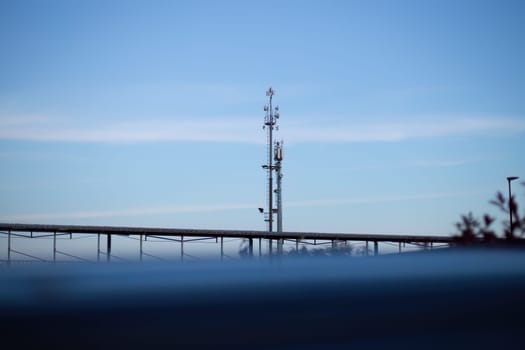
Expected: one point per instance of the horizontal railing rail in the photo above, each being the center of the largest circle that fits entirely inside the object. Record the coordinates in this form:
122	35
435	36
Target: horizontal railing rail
153	231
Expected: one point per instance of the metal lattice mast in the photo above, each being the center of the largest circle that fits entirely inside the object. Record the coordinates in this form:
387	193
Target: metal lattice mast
278	157
270	124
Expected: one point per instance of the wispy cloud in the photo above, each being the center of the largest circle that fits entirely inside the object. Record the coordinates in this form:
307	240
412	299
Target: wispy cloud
412	128
247	130
378	199
179	209
136	131
429	163
130	212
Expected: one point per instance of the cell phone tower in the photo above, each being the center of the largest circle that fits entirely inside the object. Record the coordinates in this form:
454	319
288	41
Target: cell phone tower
278	152
278	158
270	124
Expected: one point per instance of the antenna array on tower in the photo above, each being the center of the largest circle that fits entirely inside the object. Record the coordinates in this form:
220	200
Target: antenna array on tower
275	157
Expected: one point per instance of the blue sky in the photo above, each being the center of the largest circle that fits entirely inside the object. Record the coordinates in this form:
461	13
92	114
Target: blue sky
397	116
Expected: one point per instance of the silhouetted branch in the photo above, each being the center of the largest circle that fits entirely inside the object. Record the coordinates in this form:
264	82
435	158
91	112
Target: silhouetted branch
471	230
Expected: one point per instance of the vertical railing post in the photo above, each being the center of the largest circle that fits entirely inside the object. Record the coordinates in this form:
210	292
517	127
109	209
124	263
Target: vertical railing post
366	247
108	249
250	243
9	246
376	248
181	248
260	249
98	246
140	247
54	246
222	247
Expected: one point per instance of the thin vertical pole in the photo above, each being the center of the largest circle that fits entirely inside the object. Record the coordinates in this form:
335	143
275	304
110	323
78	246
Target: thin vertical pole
510	210
140	247
400	247
9	246
181	248
260	250
366	247
297	245
222	247
270	246
98	247
270	168
250	246
376	248
54	246
108	249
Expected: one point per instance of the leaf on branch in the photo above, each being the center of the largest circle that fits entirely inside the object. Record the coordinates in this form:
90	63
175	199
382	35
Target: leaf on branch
488	220
500	202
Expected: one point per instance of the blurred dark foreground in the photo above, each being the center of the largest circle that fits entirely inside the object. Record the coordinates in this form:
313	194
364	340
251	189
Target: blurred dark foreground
446	299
